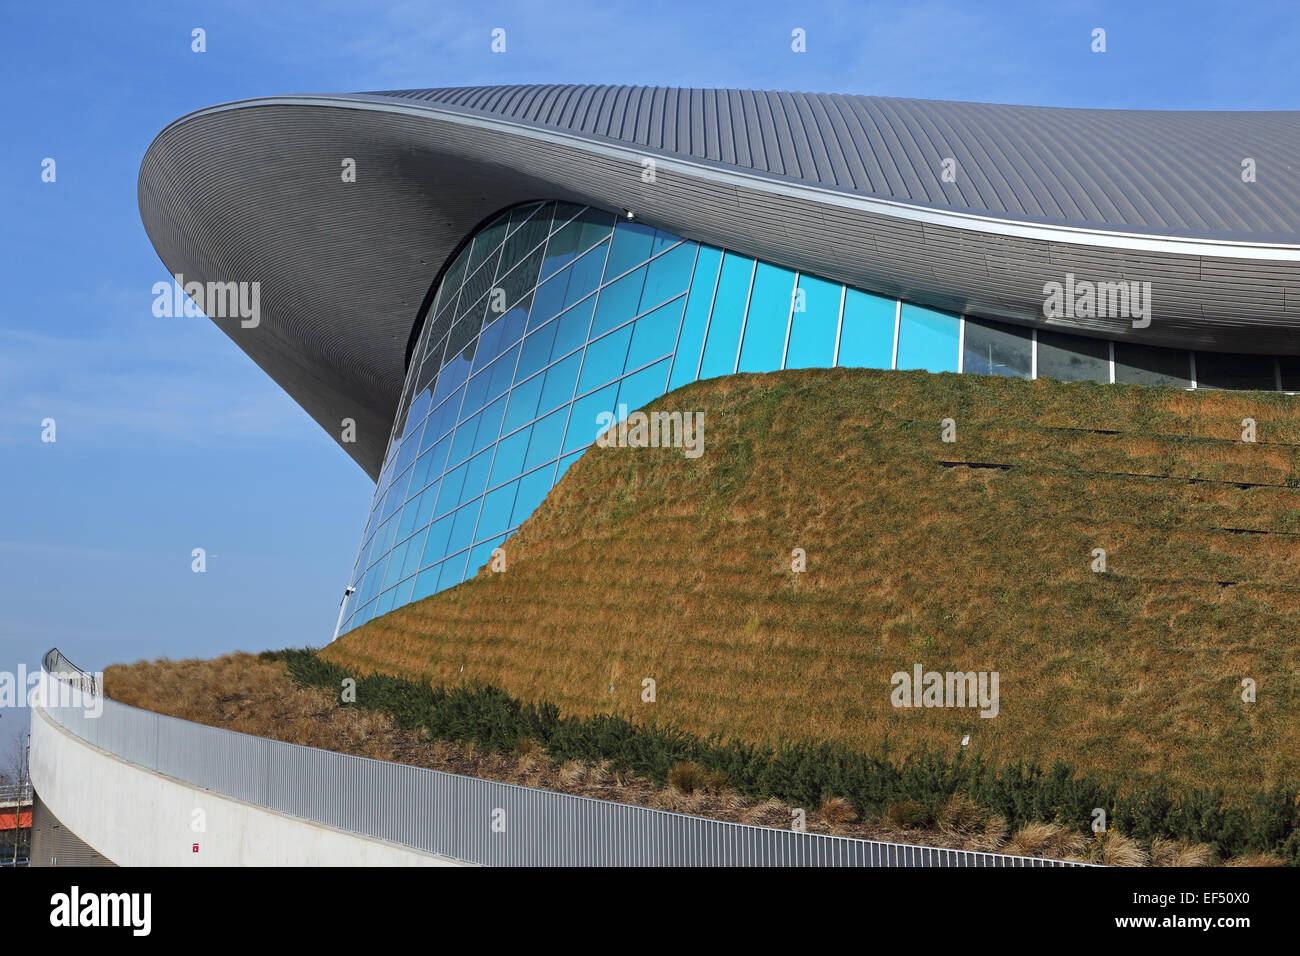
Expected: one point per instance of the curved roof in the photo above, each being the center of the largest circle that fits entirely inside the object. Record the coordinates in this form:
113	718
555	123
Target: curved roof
850	188
1128	170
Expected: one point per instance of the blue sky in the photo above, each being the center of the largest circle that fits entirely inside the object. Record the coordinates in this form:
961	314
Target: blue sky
169	438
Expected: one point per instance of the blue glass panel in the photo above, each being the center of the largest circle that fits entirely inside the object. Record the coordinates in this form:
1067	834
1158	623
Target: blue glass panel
409	513
502	372
769	314
497	505
522	403
548	302
548	435
437	457
668	276
476	475
632	242
510	456
426	583
565	462
395	559
642	387
728	313
489	424
563	244
596	226
618	302
489	345
560	380
449	497
476	393
572	327
654	334
436	546
462	445
419	408
451	377
427	501
604	359
583	426
533	488
442	418
453	571
462	529
585	275
867	339
481	554
663	240
537	351
414	552
927	339
813	324
691	341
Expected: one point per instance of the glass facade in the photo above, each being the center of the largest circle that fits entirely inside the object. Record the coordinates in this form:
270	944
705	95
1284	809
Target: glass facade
554	313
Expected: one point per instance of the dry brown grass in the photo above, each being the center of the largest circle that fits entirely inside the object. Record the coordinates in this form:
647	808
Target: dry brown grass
1115	849
241	692
1047	839
642	563
1181	853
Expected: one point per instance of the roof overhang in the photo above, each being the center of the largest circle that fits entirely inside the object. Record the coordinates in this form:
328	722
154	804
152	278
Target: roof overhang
253	191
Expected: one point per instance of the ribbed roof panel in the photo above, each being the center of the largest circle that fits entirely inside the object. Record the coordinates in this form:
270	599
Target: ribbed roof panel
1146	171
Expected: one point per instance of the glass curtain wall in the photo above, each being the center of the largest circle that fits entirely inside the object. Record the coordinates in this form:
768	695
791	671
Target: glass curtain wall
554	313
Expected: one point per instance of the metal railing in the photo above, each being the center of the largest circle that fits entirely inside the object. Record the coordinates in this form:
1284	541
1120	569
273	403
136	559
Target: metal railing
12	796
464	818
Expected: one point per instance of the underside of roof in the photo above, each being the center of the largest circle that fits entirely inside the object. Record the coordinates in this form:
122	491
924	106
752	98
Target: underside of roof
853	189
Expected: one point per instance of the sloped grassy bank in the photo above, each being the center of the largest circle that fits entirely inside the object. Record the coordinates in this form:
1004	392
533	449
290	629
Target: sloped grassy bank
971	555
907	788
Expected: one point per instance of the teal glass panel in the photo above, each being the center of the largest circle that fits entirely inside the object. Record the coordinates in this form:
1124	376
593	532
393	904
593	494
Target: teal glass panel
605	359
728	314
687	357
560	381
769	314
583	424
867	335
536	352
618	302
631	246
653	334
585	277
927	339
571	329
813	324
533	489
497	506
548	436
643	387
521	406
510	456
668	276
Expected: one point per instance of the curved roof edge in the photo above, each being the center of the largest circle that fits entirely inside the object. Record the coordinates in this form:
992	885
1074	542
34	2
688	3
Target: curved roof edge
252	191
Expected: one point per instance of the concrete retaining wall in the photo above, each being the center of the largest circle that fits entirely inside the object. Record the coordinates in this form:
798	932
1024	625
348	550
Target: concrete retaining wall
136	817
